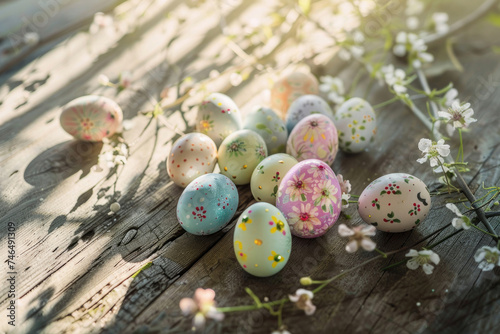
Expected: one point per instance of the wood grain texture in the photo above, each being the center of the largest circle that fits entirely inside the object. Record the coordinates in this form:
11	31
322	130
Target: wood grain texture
84	271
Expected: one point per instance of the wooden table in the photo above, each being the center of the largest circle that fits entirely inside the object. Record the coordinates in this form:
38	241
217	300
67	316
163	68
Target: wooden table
80	270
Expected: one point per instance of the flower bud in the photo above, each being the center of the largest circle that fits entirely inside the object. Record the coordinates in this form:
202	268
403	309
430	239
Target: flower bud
306	281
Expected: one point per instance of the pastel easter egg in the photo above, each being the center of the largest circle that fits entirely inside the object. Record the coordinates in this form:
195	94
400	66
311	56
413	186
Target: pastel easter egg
356	124
240	153
314	137
395	202
192	155
91	118
268	175
270	127
310	197
218	117
290	87
304	106
207	204
262	240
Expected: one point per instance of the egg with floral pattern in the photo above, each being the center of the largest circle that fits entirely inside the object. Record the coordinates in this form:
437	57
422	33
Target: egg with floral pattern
240	153
91	118
314	137
310	197
356	124
262	240
270	127
218	116
207	204
290	87
268	175
395	202
304	106
192	155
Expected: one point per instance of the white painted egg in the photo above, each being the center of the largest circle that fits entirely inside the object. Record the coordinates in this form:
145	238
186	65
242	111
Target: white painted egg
218	117
192	155
270	127
268	175
395	202
240	153
207	204
290	87
262	240
310	198
314	137
356	124
304	106
91	118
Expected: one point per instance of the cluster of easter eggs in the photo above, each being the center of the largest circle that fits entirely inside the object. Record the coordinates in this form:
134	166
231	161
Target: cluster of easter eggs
284	152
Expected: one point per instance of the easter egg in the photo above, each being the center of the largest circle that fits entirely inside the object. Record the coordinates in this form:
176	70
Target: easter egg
91	118
310	197
217	117
262	240
270	127
356	124
268	175
207	204
290	87
314	137
304	106
192	155
240	153
395	202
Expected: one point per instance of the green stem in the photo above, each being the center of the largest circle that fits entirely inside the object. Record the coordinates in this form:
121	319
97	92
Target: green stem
383	104
461	148
381	253
480	229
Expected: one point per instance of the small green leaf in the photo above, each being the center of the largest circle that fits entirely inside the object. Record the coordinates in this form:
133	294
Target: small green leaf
323	208
303	197
391	215
397	221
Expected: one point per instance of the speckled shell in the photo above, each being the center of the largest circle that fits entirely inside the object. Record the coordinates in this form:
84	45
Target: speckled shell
310	198
314	137
262	240
240	153
356	124
91	118
290	87
191	156
268	175
270	127
304	106
207	204
395	202
218	117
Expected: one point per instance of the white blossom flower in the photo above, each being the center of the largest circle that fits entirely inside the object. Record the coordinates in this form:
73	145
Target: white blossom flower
202	306
102	22
422	259
357	51
487	257
235	79
450	97
461	221
396	80
345	187
281	331
103	80
434	152
359	236
412	22
302	299
118	156
440	22
414	7
31	38
459	115
415	46
334	87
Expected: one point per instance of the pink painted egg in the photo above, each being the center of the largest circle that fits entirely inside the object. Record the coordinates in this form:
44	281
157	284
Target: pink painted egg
314	137
192	155
310	197
91	118
289	88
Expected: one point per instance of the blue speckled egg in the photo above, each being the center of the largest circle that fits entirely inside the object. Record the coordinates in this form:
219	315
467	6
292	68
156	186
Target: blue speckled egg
262	240
304	106
207	204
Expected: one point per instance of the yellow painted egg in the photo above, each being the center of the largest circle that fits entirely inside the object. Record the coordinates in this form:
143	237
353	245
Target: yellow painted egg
290	87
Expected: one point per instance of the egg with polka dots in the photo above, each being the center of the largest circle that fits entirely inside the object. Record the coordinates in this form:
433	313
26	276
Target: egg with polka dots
395	202
91	118
356	124
192	155
207	204
262	240
218	116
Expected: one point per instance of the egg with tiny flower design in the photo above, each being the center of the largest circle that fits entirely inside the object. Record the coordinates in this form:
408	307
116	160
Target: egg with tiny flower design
396	202
270	127
262	240
304	106
207	204
91	118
